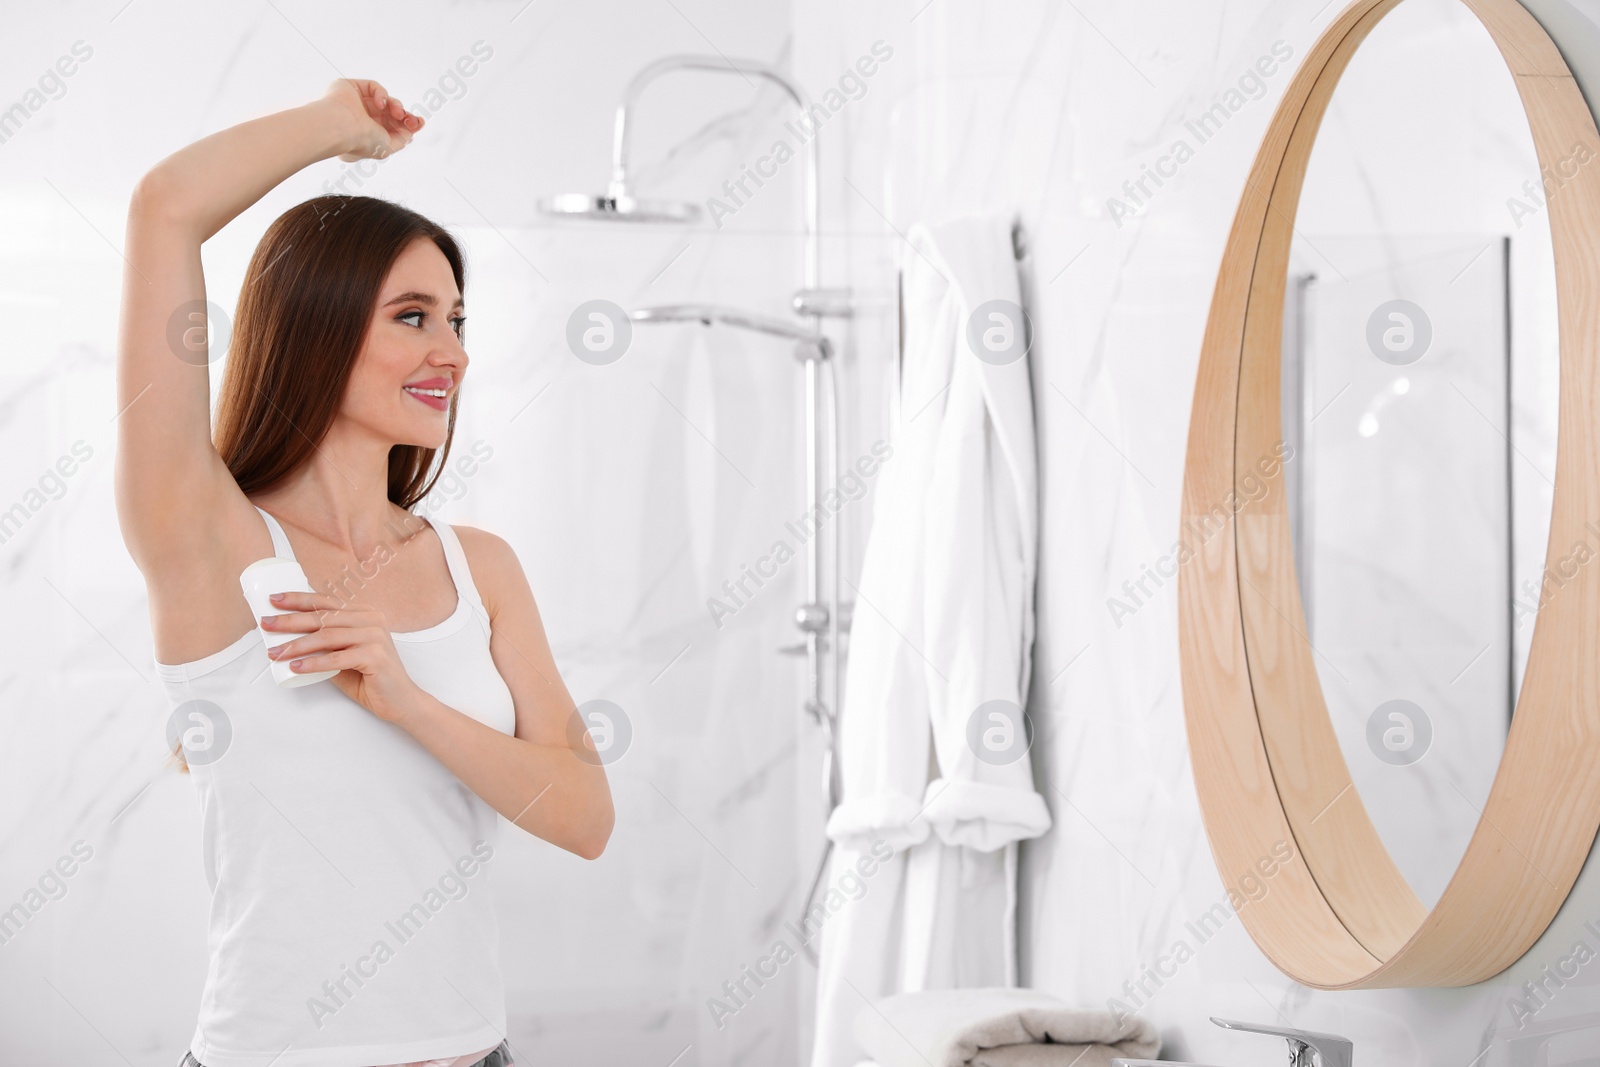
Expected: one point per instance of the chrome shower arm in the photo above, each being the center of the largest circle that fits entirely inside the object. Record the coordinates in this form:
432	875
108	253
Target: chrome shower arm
720	65
710	313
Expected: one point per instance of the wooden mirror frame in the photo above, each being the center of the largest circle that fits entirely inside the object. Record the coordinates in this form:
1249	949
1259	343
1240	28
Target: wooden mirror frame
1272	782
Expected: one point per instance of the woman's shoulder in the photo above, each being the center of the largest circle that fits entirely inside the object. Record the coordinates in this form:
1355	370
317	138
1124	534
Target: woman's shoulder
493	562
480	543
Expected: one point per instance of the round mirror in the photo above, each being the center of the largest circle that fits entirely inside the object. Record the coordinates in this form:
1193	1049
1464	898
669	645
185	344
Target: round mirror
1371	426
1418	410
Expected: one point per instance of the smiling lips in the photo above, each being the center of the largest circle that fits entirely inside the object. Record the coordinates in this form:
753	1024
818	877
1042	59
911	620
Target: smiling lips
435	392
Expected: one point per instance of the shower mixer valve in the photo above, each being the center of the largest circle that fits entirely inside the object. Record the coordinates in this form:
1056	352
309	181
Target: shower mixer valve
830	303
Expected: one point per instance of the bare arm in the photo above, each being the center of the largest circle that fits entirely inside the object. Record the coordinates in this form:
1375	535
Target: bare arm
547	778
171	485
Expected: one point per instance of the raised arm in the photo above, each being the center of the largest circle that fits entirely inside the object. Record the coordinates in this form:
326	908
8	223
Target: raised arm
172	487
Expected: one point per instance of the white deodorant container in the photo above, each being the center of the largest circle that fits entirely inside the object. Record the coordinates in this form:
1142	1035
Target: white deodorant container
260	580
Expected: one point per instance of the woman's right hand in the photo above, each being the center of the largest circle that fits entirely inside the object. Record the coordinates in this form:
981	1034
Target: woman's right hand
379	125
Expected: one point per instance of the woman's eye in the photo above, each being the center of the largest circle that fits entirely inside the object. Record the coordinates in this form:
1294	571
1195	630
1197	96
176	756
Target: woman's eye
415	318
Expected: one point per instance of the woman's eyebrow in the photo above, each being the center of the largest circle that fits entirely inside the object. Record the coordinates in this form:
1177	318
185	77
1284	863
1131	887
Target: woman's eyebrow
420	298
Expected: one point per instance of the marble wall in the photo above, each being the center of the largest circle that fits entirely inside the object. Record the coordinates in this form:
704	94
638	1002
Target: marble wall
633	491
1057	112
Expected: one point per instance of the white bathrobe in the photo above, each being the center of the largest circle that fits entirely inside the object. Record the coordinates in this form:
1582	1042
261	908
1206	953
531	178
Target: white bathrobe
943	623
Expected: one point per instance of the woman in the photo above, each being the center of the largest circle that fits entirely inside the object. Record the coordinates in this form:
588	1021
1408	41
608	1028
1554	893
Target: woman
347	824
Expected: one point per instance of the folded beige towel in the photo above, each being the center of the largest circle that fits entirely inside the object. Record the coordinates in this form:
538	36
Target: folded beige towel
996	1028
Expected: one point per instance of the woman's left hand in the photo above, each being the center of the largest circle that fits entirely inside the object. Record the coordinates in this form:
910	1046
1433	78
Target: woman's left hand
357	644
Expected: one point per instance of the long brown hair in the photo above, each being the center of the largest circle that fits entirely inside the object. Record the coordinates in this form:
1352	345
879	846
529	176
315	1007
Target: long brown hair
300	323
302	316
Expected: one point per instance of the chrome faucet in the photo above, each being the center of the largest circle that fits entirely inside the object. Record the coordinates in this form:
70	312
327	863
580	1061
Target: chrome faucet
1306	1048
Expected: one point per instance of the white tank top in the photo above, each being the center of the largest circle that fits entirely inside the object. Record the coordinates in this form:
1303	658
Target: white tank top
352	919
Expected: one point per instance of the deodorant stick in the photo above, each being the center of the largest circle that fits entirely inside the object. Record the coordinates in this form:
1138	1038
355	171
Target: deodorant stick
260	580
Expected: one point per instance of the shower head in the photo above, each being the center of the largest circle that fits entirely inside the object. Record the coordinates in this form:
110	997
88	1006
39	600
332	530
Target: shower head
620	208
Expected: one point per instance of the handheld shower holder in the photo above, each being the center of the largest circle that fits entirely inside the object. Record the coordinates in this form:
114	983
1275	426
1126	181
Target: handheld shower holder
813	349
